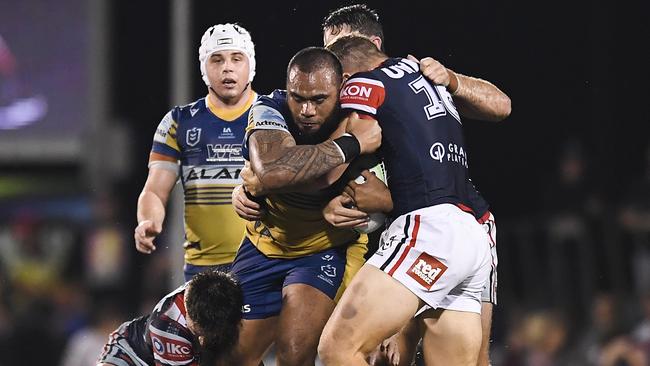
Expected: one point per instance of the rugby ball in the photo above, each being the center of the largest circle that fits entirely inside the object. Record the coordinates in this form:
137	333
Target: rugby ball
376	219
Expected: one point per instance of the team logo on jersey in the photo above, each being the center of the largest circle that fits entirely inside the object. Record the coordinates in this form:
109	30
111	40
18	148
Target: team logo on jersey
193	136
426	270
329	270
437	151
327	257
387	244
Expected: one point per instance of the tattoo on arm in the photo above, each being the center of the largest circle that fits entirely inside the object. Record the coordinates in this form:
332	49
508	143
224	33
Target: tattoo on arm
283	163
480	99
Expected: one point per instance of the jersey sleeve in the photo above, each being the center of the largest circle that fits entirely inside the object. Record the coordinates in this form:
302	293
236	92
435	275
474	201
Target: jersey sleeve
171	343
362	93
165	146
264	115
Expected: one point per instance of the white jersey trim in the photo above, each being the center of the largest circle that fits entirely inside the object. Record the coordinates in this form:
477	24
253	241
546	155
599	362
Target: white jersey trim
360	107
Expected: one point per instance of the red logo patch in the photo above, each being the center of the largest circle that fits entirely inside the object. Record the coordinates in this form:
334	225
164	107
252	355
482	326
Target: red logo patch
426	270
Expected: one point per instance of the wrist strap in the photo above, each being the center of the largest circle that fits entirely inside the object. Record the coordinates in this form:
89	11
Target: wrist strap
349	146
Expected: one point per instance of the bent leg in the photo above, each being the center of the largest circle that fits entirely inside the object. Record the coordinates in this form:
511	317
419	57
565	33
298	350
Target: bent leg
451	337
305	311
255	337
486	325
373	308
400	348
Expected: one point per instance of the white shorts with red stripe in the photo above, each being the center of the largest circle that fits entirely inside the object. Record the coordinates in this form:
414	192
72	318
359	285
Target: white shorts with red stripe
490	290
438	253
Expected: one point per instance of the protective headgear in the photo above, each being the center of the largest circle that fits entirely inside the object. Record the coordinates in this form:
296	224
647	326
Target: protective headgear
222	37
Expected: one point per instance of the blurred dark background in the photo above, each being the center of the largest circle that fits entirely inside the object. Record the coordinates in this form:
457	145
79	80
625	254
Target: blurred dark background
83	85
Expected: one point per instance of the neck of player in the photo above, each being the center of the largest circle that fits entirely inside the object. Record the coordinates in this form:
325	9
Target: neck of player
230	103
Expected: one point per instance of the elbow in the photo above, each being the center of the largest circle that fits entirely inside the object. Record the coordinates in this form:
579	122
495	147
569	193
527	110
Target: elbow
506	107
503	109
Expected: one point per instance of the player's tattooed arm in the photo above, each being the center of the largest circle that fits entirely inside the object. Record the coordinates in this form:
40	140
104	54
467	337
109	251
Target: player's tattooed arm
479	99
281	165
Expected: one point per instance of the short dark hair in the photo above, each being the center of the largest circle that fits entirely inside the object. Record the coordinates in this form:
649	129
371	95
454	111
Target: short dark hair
214	303
354	51
311	59
358	17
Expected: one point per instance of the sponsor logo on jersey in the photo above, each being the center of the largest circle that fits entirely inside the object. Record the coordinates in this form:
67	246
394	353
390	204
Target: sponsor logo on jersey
193	136
453	153
426	270
224	152
170	346
157	345
265	117
269	124
163	128
226	133
363	94
219	173
437	151
246	308
357	90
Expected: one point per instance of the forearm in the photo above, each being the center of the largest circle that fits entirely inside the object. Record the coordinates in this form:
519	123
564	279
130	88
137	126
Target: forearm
151	207
297	166
479	99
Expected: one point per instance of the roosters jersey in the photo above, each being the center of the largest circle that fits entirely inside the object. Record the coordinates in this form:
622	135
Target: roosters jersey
423	145
207	143
162	337
294	225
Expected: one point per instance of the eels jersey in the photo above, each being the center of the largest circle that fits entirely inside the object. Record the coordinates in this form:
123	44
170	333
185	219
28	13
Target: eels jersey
423	145
207	142
294	225
162	337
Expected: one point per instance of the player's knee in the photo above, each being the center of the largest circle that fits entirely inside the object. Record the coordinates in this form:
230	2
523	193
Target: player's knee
295	353
326	350
333	353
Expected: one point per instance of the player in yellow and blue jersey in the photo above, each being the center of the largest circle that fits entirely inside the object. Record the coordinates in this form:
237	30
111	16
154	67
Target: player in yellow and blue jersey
202	144
291	263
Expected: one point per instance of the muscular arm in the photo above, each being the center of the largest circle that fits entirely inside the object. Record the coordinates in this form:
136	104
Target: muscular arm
151	208
479	99
475	98
154	196
280	164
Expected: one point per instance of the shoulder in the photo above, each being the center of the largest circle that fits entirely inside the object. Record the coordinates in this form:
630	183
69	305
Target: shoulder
269	112
277	100
364	92
188	111
170	337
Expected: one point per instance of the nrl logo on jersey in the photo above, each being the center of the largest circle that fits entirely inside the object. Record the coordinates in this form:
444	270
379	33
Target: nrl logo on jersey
193	136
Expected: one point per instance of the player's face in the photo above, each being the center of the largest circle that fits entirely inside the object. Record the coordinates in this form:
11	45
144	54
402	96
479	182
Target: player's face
228	73
312	98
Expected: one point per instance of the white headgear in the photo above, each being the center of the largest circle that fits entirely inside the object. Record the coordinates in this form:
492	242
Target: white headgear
226	37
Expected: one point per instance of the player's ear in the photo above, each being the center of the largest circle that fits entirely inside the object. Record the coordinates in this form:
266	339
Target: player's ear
346	76
377	41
